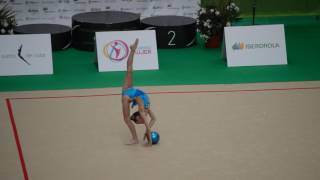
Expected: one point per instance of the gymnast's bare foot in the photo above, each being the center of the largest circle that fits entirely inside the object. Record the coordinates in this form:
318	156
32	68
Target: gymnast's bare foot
133	141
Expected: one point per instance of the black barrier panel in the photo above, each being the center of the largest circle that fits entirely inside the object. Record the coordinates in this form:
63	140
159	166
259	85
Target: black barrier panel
106	20
172	31
84	39
84	26
60	34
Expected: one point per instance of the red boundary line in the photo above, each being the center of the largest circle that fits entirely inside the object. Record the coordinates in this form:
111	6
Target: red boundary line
16	135
176	92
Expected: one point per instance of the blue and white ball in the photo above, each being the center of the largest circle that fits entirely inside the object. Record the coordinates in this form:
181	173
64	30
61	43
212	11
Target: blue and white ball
155	137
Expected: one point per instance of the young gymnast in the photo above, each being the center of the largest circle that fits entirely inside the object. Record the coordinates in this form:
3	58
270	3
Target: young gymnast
135	97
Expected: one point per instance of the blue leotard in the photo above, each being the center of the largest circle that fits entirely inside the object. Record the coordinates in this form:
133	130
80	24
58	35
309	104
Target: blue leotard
133	93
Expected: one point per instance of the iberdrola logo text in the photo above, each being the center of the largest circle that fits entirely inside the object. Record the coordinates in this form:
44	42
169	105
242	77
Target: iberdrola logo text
242	45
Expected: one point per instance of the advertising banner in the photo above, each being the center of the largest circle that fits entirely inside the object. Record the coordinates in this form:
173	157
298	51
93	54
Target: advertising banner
255	45
25	54
113	47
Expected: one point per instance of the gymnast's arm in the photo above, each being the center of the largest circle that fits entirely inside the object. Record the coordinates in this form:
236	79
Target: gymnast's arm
144	118
152	118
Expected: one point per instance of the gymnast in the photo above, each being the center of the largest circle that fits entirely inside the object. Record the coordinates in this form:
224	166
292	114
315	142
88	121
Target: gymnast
137	97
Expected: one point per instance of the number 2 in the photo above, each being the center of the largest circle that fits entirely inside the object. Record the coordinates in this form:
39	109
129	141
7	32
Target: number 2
172	38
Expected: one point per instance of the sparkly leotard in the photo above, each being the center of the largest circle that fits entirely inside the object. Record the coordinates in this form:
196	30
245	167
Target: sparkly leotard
133	93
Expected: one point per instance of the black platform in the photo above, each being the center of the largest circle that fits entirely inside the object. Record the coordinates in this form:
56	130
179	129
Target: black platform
84	26
172	31
60	34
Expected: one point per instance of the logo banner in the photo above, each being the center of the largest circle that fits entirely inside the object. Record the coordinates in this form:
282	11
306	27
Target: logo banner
25	54
61	11
255	45
113	49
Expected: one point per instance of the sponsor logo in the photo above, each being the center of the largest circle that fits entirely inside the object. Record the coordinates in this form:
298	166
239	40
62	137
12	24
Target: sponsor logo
143	50
65	17
110	1
18	11
47	10
40	18
190	14
238	46
94	1
95	9
251	46
140	9
125	9
49	2
32	2
157	7
187	7
79	10
80	2
116	50
22	56
64	10
173	8
64	1
33	10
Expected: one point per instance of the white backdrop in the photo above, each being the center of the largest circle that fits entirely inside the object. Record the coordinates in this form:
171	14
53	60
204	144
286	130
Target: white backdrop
61	11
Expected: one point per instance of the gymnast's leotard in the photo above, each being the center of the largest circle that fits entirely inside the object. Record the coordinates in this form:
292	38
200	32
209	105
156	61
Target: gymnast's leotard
133	93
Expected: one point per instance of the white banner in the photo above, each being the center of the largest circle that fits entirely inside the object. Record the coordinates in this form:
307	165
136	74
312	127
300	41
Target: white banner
255	45
113	48
61	11
25	54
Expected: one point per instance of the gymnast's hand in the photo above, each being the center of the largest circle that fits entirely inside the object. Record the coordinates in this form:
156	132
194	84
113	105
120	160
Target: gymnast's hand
148	136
